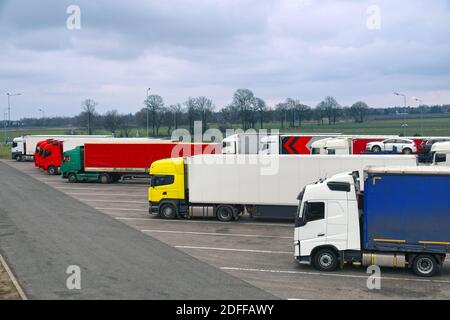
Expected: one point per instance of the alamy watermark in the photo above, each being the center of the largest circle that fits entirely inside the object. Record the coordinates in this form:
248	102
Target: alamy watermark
374	280
374	17
246	149
73	21
73	281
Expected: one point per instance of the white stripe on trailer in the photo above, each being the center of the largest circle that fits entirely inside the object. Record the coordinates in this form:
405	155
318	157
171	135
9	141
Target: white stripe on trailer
216	234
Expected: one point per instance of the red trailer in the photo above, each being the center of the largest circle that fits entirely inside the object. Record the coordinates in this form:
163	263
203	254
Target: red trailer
109	162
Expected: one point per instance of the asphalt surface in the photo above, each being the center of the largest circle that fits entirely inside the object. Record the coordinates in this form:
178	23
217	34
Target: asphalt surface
260	252
44	231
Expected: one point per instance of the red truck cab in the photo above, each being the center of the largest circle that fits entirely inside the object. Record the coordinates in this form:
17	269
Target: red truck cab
52	157
38	154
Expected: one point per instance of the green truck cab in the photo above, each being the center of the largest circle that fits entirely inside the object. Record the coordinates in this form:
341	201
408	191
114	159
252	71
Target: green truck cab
72	167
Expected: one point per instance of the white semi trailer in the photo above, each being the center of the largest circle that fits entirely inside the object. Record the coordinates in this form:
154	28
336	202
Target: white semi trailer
23	148
227	186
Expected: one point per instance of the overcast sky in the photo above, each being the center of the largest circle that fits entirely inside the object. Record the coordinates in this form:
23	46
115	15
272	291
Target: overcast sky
302	49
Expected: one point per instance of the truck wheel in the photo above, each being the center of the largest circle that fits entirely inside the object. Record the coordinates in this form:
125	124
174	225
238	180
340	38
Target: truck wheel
72	178
18	158
326	260
225	213
168	211
376	149
104	178
407	151
425	265
52	170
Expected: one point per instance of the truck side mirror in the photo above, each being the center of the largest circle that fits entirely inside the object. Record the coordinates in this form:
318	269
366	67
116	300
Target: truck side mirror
440	158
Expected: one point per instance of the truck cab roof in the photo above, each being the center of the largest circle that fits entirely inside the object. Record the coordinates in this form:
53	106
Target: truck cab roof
432	170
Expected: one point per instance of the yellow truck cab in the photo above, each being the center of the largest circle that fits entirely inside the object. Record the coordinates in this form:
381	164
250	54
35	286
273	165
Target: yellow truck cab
167	192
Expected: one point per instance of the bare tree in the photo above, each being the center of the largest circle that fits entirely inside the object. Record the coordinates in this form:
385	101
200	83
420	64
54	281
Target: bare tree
359	111
261	108
331	108
112	121
154	103
205	107
303	113
177	110
243	100
88	107
281	109
126	122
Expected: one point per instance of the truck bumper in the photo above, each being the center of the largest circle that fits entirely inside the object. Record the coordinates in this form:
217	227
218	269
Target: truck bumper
304	260
15	154
153	208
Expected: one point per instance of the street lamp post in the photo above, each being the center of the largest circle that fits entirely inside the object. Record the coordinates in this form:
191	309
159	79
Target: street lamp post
146	107
5	114
43	117
421	113
405	125
9	105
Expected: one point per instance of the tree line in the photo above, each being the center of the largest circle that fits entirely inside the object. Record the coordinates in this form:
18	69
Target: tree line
246	111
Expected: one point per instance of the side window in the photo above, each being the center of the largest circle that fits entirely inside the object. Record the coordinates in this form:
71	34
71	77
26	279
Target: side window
158	181
14	145
314	211
331	151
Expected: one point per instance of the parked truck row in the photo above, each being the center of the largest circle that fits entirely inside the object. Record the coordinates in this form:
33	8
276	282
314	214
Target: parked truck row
359	203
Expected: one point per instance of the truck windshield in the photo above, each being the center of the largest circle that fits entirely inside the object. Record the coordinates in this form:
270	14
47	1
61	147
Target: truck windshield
158	180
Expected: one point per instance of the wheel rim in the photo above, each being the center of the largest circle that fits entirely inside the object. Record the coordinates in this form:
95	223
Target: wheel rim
224	214
168	211
326	260
425	265
407	151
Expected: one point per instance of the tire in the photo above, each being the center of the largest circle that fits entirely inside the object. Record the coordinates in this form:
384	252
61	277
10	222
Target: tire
52	170
72	178
326	260
407	151
18	158
168	211
104	178
425	266
376	149
225	213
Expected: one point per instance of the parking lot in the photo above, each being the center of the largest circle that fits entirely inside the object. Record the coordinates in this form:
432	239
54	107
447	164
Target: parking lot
258	252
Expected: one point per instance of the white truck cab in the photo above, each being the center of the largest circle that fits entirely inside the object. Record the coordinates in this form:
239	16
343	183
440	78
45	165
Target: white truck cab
319	147
17	148
270	145
441	153
328	219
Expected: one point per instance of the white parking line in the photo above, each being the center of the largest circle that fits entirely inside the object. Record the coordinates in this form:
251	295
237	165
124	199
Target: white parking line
120	209
101	189
330	275
106	195
207	222
216	234
232	250
114	201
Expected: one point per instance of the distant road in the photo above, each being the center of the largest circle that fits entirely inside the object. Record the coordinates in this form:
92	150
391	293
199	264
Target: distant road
43	232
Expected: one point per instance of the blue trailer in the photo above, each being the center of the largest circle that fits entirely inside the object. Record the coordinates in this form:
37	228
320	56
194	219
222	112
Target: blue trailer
402	220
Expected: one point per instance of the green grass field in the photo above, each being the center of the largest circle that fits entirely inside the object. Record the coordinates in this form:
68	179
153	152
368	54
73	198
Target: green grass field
5	152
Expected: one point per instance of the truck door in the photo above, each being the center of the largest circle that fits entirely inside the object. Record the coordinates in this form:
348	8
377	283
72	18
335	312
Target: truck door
313	233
